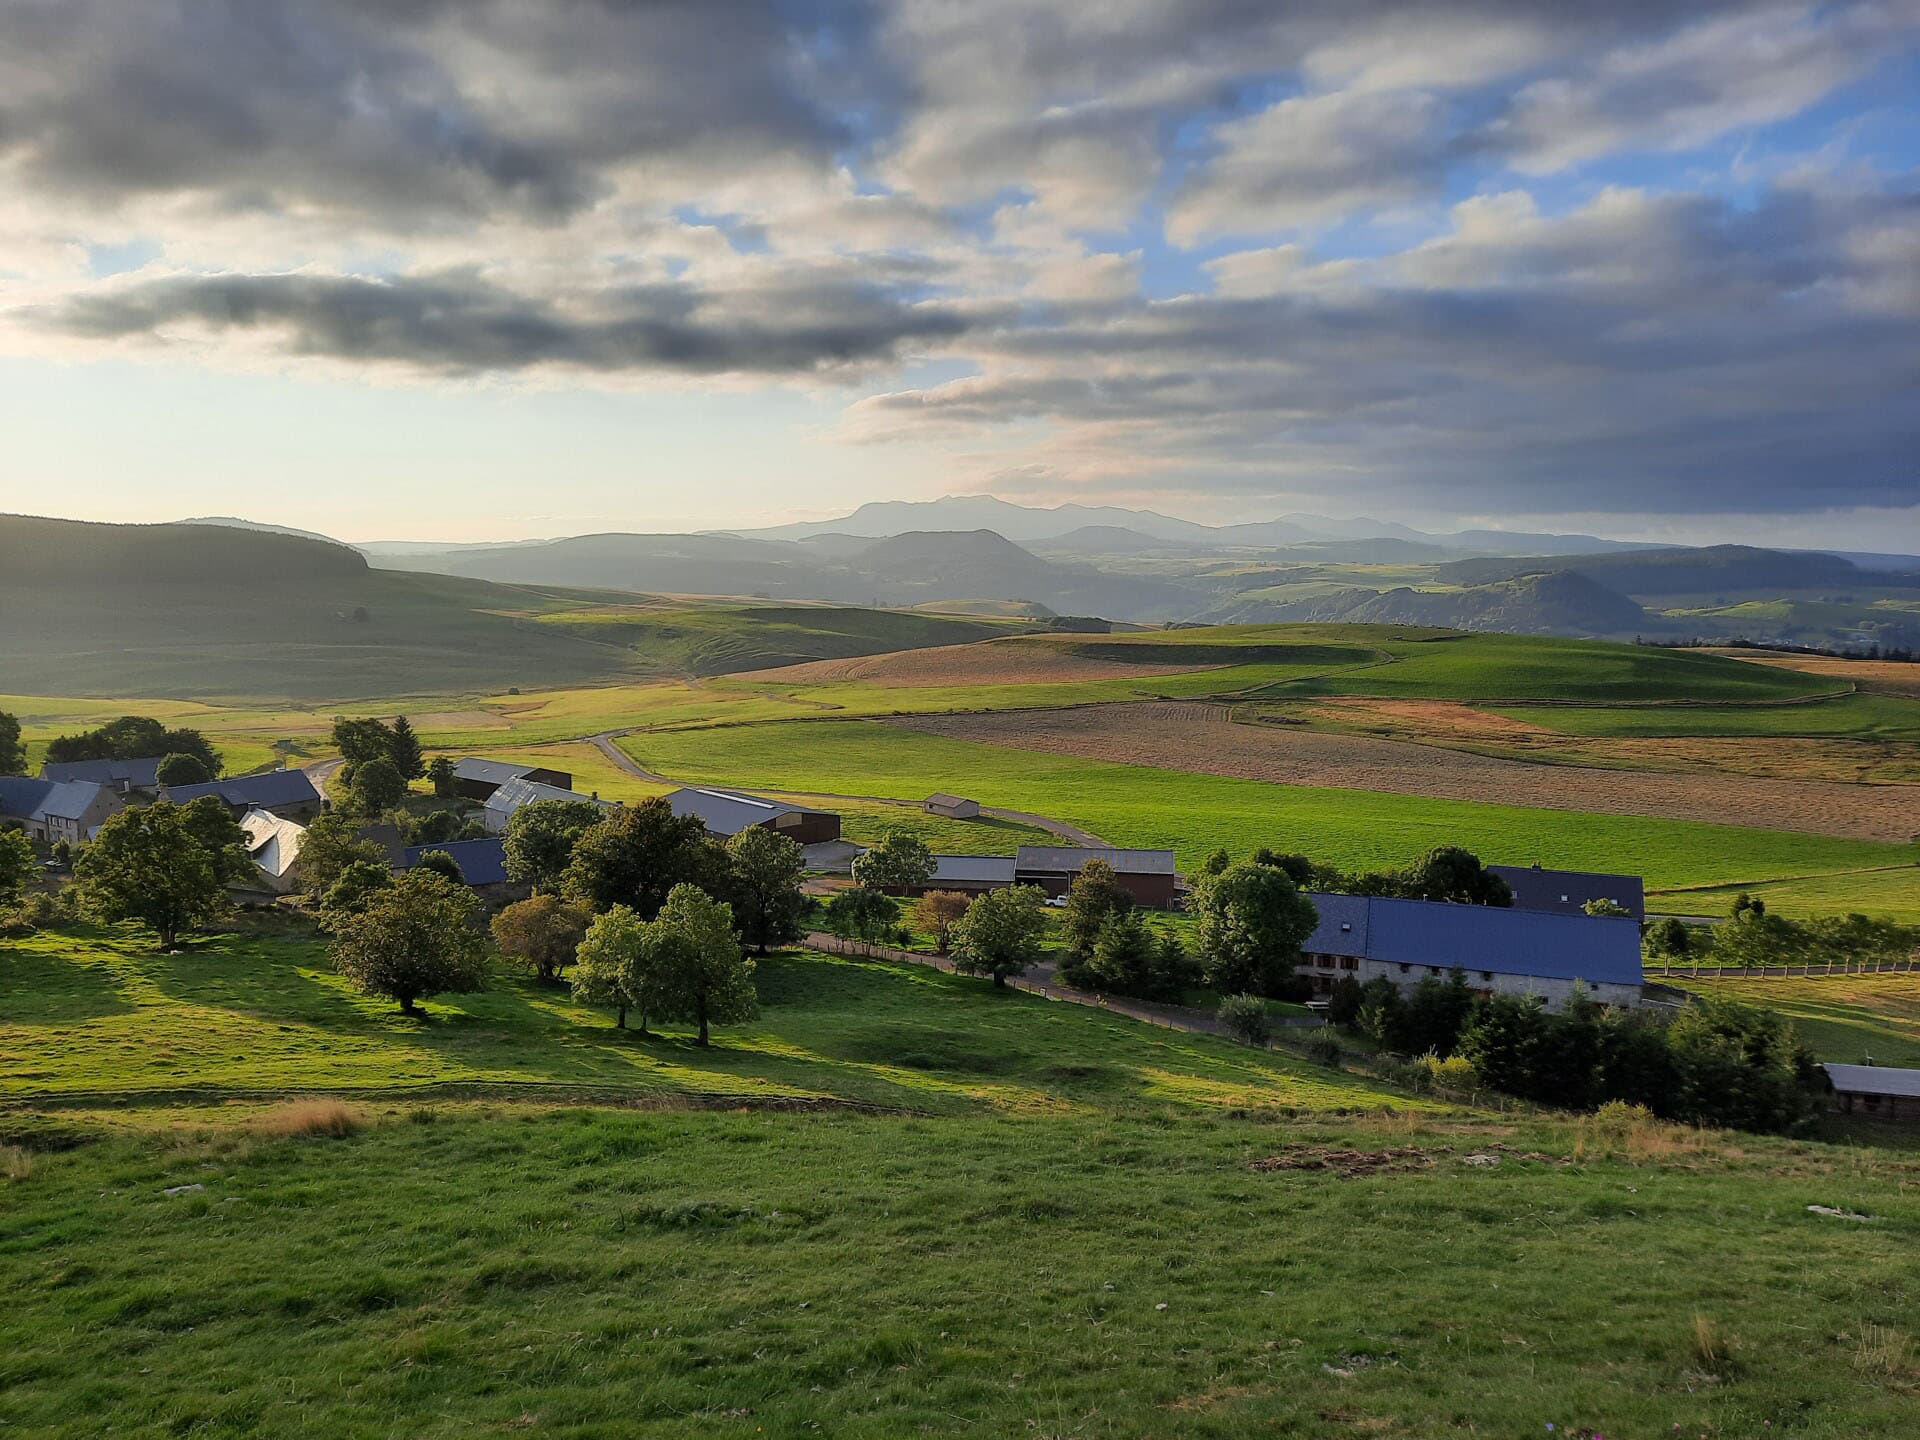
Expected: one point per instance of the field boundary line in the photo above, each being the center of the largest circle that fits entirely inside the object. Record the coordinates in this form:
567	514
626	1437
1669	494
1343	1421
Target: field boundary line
1848	970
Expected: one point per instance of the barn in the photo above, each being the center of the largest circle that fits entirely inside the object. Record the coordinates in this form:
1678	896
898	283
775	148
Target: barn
476	777
726	813
1878	1089
519	791
968	874
1148	875
1569	892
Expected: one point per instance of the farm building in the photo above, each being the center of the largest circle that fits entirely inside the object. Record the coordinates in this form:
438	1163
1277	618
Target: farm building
273	844
119	776
51	810
954	807
476	778
727	812
1518	952
1568	892
1876	1088
286	793
514	793
969	874
1148	875
483	864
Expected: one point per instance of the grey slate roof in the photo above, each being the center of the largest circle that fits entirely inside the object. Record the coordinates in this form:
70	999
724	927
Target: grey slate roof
515	793
24	798
1067	859
1875	1080
1599	949
1568	891
138	773
727	812
490	772
481	862
972	870
941	797
267	789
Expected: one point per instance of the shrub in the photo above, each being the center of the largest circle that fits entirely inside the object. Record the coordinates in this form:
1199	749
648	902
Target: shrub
1324	1049
1245	1017
1454	1072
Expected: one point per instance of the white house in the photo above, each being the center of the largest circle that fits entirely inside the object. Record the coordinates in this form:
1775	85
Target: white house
273	844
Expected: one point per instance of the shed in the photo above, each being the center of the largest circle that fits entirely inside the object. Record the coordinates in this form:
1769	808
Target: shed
1148	875
954	807
1875	1086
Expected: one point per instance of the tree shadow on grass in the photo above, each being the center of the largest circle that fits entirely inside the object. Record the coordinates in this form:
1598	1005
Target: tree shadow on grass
40	985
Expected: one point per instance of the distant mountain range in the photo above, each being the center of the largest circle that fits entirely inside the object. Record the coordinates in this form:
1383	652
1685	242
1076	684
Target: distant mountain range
1144	567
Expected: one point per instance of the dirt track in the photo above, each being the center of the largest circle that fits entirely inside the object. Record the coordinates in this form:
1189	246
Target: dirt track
1202	738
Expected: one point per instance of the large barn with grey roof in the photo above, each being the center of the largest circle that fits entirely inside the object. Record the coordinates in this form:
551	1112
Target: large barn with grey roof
726	813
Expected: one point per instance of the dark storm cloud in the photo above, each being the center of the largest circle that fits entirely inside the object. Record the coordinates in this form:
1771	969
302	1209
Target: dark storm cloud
394	111
459	324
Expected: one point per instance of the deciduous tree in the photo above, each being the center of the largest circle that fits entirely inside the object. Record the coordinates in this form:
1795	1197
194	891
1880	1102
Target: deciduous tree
763	885
180	768
439	862
1001	933
17	866
936	912
220	835
440	775
616	965
901	861
1096	896
414	938
543	932
376	786
13	755
1250	923
636	856
356	884
333	843
147	864
541	836
705	978
862	914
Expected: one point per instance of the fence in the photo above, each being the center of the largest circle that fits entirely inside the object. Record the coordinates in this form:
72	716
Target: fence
1782	972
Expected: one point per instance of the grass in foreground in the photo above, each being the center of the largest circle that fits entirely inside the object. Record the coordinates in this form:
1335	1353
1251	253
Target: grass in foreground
584	1273
1844	1018
1139	805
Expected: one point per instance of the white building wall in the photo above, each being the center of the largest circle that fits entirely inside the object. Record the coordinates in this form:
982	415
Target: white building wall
1555	992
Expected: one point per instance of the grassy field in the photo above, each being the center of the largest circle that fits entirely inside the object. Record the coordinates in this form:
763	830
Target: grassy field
1893	894
1137	805
1065	1226
1846	1018
1851	717
98	1010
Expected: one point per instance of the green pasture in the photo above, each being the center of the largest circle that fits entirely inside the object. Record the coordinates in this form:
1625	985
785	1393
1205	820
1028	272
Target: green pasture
98	1010
1892	894
1845	717
1139	805
1844	1018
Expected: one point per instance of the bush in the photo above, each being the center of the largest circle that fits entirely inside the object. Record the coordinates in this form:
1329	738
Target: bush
1324	1049
1245	1017
1455	1073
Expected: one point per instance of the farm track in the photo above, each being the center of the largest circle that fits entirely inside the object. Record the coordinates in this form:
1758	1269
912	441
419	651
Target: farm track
1203	738
1072	834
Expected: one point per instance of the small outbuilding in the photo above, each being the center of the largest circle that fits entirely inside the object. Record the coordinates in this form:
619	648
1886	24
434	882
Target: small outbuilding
1879	1089
953	807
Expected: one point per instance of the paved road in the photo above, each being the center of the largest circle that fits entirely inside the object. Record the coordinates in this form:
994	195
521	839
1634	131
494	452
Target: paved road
1072	834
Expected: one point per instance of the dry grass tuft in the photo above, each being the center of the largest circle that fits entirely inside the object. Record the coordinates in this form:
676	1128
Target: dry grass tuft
1881	1350
1712	1347
15	1163
327	1118
1634	1133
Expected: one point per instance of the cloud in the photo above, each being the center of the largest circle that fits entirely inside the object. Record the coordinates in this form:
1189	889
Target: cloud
462	324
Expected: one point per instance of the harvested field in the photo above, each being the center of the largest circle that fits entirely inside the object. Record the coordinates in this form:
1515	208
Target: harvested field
1203	739
1839	759
991	662
1889	677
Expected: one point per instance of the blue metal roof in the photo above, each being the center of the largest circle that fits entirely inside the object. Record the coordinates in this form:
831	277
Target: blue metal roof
481	862
138	773
267	789
1568	891
24	798
1600	949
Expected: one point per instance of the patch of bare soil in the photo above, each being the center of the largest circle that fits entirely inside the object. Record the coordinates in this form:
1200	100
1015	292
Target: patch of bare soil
1176	736
1889	677
1347	1164
983	662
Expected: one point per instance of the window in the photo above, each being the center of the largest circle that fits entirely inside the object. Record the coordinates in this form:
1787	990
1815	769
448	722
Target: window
1406	969
1325	962
1349	962
1486	975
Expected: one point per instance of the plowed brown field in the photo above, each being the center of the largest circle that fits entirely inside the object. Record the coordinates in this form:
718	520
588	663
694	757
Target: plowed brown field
992	662
1202	738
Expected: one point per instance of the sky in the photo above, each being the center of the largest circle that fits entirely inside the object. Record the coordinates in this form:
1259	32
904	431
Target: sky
488	269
